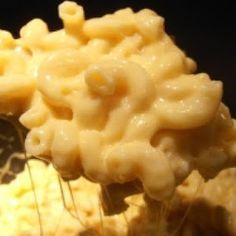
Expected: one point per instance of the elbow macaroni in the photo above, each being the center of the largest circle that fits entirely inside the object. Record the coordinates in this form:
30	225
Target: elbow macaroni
114	99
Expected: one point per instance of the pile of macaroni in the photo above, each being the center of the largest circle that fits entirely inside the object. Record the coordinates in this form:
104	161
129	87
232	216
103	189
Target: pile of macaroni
113	99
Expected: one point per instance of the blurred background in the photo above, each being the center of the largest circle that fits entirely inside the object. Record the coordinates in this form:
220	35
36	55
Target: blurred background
205	30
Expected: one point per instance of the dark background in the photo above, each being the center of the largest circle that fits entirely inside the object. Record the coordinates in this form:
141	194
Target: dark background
205	30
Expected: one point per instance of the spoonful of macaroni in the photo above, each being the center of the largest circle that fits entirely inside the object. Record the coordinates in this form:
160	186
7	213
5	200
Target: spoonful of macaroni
115	100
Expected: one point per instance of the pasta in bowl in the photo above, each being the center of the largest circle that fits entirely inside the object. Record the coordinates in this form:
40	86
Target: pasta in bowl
115	100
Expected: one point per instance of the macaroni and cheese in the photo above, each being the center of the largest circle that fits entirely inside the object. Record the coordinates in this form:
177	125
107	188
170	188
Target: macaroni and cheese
115	100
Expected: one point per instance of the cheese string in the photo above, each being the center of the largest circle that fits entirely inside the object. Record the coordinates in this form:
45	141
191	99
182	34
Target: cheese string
20	136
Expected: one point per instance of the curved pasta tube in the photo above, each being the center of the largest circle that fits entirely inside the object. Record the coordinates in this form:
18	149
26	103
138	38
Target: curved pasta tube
57	72
91	152
72	16
59	40
33	33
88	111
127	46
38	141
12	63
159	65
36	115
142	127
65	150
149	24
125	162
128	161
110	26
188	102
6	40
124	77
15	87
